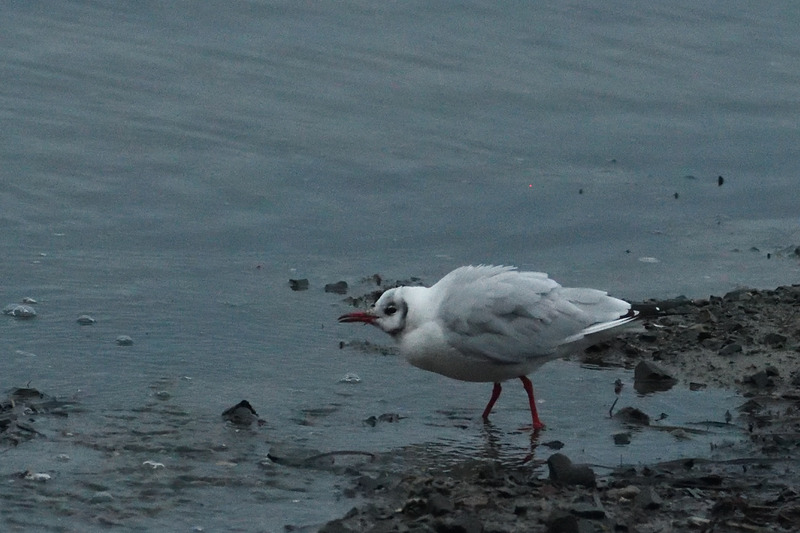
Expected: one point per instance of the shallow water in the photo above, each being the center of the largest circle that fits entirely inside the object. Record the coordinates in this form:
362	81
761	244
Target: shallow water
167	169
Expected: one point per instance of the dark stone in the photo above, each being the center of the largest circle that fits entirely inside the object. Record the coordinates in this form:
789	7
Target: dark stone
649	377
648	499
561	522
775	339
760	380
340	287
730	349
335	526
466	523
439	505
563	472
631	415
588	510
241	414
298	284
621	439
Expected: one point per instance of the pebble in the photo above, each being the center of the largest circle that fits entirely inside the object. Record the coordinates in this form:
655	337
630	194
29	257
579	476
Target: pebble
632	415
730	349
298	284
124	340
37	476
621	439
241	414
340	287
562	471
775	339
19	311
628	493
86	320
350	377
648	498
102	496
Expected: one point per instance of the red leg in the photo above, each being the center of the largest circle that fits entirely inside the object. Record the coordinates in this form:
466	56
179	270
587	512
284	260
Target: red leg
537	424
496	390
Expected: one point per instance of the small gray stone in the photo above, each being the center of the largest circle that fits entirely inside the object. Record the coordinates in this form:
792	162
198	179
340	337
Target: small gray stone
439	504
19	311
648	498
761	380
101	497
124	340
562	471
649	377
86	320
731	349
340	287
621	439
298	284
775	339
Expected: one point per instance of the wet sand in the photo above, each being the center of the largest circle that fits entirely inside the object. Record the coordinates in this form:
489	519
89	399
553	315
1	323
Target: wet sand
747	341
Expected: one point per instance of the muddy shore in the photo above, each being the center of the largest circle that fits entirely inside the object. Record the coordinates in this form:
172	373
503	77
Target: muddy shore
746	340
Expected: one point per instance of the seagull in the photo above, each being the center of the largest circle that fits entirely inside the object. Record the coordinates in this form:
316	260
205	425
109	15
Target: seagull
490	324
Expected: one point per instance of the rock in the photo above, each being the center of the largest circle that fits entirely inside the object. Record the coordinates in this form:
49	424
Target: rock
86	320
241	414
563	472
760	380
439	504
19	311
588	510
648	498
629	492
775	339
631	415
124	340
649	377
298	284
621	439
465	523
561	522
739	295
705	315
731	349
336	526
340	287
350	377
102	496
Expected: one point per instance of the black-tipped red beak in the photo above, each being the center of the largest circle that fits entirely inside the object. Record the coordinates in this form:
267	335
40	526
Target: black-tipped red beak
358	316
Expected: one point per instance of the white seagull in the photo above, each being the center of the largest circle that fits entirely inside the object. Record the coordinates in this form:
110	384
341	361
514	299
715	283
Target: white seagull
494	323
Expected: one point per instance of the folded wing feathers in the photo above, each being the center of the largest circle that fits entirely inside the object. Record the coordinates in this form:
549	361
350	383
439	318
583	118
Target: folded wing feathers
510	326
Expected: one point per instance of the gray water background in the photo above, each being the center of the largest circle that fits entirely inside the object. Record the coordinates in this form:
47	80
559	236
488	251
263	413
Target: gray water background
167	168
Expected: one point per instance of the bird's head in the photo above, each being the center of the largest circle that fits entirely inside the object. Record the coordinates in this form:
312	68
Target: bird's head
388	313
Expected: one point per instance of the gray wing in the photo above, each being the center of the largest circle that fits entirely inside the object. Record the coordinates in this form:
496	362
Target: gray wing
512	317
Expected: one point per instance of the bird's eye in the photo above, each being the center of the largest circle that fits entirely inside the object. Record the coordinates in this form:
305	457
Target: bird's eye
390	309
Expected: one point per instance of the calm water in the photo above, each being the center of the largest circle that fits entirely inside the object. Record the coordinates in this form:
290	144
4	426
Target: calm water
166	169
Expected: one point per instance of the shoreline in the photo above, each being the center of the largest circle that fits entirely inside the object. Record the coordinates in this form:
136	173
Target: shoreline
747	340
